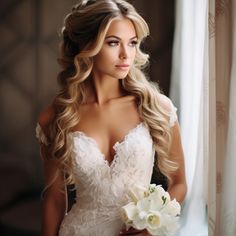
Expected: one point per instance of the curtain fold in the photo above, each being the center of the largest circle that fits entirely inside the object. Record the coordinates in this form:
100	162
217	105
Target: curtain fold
203	87
212	125
189	87
222	141
228	207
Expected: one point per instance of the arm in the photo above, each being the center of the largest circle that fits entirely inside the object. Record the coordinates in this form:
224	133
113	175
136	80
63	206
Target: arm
54	201
178	187
54	197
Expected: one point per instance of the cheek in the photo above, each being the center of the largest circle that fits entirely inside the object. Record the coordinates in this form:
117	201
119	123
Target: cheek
103	61
133	54
105	57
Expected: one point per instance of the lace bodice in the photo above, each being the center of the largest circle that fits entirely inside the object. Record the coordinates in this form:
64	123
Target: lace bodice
134	153
102	188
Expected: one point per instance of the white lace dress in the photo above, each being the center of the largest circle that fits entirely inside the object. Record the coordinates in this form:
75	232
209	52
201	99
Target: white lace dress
101	189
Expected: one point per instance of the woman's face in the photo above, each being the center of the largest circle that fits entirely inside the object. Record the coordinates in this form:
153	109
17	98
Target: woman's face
118	51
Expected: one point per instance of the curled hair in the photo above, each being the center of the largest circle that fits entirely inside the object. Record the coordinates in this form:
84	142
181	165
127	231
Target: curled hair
83	36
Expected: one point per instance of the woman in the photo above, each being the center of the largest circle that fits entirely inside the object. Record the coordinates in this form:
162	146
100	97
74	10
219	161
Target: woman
105	126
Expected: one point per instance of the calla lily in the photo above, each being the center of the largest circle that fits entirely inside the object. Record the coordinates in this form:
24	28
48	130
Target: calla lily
138	192
128	212
154	220
152	209
172	208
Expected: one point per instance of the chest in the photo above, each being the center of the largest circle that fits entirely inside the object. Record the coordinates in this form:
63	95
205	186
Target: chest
98	181
134	155
108	126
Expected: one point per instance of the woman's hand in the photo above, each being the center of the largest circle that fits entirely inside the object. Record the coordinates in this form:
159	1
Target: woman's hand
134	232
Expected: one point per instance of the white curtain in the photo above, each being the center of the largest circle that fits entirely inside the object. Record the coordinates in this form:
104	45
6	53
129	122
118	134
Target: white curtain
189	92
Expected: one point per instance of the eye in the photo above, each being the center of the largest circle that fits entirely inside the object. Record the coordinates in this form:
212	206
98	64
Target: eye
113	43
133	43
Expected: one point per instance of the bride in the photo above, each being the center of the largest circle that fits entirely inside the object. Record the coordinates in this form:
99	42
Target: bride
108	125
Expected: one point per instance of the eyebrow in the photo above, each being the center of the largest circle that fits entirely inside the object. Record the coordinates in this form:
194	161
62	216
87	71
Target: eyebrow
113	36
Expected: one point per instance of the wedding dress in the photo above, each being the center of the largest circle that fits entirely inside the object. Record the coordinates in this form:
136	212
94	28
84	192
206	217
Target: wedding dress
102	188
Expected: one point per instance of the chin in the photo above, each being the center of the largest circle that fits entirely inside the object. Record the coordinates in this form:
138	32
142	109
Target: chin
123	76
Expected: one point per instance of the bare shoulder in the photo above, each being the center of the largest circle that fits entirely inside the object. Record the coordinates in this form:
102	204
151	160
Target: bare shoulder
46	116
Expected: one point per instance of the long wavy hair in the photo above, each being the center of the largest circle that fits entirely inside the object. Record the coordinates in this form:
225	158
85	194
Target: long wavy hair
83	34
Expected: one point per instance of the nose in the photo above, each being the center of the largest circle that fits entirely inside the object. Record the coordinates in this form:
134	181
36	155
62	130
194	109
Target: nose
124	54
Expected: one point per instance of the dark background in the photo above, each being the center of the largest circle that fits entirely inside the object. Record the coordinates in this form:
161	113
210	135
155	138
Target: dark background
29	32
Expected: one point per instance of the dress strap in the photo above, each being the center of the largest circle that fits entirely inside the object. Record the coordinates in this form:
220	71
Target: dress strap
40	135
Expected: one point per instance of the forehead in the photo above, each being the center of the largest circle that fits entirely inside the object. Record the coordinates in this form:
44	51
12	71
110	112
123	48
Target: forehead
122	28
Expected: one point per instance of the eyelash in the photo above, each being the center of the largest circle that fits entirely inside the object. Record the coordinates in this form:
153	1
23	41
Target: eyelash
114	43
134	43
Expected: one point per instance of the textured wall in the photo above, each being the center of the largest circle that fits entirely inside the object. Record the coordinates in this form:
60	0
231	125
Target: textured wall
28	69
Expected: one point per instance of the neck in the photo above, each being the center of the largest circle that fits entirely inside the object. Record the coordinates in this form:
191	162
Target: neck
104	89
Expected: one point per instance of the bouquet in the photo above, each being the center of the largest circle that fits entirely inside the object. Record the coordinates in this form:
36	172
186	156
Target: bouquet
151	209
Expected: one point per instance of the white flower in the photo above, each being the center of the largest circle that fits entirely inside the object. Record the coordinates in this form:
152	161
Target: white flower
153	188
159	193
158	200
154	220
140	220
169	224
128	213
156	204
152	209
138	192
144	204
172	208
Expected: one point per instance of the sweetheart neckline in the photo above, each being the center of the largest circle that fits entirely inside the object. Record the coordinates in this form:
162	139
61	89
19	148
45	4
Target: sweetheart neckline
114	147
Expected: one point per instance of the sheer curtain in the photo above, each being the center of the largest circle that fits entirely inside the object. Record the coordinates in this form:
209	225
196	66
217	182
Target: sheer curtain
205	95
189	92
222	174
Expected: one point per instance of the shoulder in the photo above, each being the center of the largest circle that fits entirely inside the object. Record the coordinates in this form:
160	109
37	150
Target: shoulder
165	102
46	116
42	128
167	105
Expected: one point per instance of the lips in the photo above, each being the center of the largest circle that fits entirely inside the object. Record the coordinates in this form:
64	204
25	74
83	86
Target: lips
122	66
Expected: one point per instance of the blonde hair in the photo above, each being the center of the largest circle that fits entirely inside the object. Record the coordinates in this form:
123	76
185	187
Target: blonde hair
83	36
